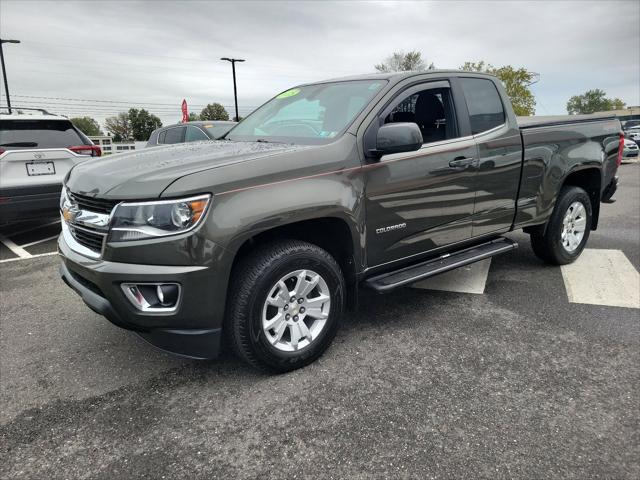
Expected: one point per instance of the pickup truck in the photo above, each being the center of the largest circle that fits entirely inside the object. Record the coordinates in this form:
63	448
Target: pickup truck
259	241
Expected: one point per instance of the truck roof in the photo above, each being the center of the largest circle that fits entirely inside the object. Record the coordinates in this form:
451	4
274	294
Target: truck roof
397	76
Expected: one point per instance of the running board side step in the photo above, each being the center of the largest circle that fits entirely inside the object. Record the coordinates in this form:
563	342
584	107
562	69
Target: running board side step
388	281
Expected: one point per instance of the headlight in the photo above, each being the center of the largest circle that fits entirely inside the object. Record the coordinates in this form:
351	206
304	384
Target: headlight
140	220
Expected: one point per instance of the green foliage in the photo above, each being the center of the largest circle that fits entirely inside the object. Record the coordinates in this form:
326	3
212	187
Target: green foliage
194	117
515	80
214	111
119	127
593	101
404	62
142	123
133	125
87	125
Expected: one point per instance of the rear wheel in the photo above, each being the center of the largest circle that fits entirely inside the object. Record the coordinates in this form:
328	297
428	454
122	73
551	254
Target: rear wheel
285	305
567	230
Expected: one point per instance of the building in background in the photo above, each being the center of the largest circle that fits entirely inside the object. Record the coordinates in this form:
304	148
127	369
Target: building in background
108	146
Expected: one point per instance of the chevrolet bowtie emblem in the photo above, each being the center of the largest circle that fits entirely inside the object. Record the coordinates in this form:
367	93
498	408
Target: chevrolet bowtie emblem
69	214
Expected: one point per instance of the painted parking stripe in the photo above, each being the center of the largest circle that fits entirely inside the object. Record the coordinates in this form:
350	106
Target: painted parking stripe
468	279
48	254
602	277
42	240
15	249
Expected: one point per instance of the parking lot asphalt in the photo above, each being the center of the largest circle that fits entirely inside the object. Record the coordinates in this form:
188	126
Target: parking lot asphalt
516	382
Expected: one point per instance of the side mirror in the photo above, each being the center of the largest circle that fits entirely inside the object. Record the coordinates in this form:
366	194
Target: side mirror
397	137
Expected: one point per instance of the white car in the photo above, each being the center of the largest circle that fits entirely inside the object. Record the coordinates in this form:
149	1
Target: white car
630	152
633	134
36	152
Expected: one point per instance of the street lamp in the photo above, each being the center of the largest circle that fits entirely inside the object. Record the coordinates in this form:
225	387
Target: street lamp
235	92
4	70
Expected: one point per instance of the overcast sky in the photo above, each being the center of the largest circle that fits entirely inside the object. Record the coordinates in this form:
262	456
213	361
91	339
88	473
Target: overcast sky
159	52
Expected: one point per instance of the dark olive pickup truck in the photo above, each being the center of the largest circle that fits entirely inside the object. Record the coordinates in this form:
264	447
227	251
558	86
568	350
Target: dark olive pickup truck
259	241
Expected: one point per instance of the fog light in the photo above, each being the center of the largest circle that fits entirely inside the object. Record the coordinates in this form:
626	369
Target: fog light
153	297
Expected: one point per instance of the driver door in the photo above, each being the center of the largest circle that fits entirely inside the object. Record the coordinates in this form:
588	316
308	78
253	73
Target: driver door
422	200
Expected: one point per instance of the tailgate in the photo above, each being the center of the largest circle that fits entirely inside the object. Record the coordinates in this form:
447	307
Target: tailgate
26	168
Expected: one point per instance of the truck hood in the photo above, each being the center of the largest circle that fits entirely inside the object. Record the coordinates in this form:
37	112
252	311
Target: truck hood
146	173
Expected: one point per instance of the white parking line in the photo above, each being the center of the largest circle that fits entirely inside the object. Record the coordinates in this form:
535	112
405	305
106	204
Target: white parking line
6	260
602	277
26	245
469	279
16	249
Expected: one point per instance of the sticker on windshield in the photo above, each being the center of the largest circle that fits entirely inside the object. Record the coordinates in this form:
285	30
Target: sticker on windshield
289	93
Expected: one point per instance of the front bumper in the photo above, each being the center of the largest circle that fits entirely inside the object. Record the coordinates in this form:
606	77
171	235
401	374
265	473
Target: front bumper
193	330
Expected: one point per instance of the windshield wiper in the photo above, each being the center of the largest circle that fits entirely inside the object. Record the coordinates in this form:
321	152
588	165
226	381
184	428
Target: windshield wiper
19	144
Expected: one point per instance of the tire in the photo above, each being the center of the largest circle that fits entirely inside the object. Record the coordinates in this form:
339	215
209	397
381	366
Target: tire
255	289
556	244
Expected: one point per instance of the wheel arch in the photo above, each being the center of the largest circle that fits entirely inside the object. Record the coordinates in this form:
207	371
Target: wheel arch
334	234
590	180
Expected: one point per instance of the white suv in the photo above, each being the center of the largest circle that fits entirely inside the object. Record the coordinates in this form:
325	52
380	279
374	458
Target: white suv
36	152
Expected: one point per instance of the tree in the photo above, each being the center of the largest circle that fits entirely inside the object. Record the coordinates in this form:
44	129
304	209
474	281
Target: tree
516	82
142	123
593	101
214	111
403	62
87	125
120	127
194	117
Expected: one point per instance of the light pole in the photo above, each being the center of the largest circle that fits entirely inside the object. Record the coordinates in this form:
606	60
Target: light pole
235	91
4	70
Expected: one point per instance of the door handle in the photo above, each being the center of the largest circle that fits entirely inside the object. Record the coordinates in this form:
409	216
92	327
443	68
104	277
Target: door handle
461	162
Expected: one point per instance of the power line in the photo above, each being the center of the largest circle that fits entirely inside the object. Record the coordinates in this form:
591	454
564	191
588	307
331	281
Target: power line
127	102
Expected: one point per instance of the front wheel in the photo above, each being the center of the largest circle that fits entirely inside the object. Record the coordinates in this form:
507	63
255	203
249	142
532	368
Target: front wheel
567	230
285	304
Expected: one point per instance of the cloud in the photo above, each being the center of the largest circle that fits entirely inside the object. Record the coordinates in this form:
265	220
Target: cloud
160	52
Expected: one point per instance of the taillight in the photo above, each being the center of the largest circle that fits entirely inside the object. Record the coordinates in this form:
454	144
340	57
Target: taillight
92	150
2	150
620	150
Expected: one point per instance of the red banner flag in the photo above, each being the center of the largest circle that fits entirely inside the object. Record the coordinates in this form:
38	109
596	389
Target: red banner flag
185	112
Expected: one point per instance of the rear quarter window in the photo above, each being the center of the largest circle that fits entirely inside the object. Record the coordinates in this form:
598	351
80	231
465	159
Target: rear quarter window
484	104
17	134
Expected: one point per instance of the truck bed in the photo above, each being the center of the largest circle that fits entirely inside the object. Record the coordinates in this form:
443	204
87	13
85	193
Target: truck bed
549	120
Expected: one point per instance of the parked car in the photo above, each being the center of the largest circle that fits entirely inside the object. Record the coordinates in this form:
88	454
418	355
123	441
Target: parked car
630	151
37	150
376	180
189	132
633	134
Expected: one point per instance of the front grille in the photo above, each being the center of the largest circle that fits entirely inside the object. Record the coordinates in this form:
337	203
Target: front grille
98	205
87	238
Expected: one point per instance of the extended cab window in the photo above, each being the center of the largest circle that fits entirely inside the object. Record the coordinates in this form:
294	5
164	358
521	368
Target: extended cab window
484	104
431	109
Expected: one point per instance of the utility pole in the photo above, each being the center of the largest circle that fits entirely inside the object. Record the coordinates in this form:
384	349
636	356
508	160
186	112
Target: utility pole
4	70
235	91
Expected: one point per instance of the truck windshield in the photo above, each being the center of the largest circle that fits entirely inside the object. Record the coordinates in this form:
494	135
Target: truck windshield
311	114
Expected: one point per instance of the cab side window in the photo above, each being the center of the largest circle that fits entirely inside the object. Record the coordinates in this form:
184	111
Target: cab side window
431	109
484	104
194	134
